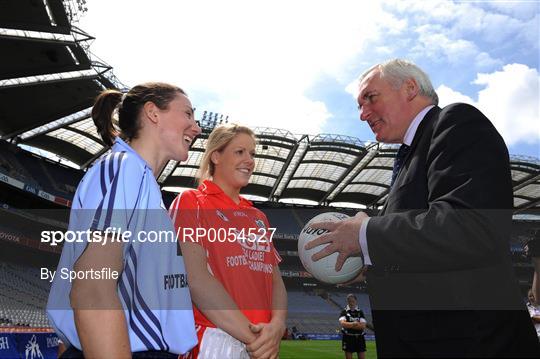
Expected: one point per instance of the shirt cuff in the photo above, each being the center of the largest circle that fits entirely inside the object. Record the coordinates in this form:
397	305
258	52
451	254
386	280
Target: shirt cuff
363	242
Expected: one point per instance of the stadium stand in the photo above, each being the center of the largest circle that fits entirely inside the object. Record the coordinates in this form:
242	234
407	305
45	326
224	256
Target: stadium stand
309	302
310	313
28	167
23	296
13	166
282	220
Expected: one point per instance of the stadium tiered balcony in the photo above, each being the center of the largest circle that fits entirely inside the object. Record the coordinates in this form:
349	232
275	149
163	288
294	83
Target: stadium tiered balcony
284	220
311	313
309	302
38	172
326	170
12	165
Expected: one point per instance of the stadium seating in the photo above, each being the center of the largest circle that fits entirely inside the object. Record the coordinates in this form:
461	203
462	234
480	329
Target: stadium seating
26	167
309	302
311	314
281	219
23	297
11	165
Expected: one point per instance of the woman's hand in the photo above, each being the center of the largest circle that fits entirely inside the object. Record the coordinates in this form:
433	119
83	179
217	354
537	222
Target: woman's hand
269	337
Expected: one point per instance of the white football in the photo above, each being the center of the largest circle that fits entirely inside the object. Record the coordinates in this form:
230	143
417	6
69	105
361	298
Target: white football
324	269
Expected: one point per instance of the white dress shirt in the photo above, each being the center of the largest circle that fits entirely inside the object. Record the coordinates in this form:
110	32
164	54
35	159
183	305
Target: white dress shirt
407	139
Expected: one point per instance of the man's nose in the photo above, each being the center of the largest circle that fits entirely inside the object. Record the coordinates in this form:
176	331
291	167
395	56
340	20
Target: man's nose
364	113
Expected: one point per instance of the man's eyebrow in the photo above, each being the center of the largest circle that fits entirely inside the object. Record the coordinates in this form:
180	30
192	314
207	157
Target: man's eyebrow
362	96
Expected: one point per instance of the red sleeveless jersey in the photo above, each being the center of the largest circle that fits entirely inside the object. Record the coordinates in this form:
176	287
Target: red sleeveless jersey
237	239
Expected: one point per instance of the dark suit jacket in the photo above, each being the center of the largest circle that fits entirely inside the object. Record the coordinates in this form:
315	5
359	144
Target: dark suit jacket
442	283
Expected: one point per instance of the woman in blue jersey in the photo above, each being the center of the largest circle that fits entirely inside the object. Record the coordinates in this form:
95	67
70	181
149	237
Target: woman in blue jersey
118	292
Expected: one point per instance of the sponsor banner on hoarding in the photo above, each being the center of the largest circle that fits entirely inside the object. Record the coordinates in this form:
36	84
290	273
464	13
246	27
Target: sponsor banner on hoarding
11	181
62	201
28	214
9	237
28	345
295	274
31	189
280	235
26	187
8	346
46	196
334	336
321	336
4	178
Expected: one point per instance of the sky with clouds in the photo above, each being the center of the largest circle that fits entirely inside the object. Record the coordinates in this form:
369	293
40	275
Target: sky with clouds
294	64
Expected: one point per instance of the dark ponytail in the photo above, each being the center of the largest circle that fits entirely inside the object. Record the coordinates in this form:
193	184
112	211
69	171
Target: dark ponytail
102	114
128	107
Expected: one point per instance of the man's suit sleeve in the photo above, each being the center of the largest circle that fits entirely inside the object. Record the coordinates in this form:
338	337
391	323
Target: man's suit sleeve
466	216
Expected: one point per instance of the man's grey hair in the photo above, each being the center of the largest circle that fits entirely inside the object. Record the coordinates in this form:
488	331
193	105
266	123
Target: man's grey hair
397	71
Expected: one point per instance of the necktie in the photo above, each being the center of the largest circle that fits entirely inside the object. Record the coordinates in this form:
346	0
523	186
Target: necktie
398	161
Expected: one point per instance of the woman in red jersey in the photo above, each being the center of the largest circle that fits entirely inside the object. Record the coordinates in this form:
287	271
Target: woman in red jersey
236	286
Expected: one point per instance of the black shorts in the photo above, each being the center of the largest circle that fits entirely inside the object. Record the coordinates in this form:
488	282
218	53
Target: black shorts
353	343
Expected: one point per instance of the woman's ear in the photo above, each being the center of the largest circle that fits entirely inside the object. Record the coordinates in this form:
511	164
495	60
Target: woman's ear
150	111
214	157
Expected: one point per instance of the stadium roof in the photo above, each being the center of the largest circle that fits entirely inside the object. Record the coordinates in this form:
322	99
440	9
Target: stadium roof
51	79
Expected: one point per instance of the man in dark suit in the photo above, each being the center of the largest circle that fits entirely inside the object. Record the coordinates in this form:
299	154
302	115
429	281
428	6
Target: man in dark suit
439	272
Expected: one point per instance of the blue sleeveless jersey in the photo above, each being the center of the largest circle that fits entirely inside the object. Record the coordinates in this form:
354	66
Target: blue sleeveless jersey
120	193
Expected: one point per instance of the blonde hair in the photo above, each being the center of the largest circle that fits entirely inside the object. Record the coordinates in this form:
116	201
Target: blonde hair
220	137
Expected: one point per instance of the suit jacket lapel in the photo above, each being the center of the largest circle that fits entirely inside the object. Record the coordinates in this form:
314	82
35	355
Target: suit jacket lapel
428	118
419	131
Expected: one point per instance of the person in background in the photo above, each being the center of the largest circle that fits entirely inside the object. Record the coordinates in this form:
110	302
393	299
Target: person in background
353	323
534	310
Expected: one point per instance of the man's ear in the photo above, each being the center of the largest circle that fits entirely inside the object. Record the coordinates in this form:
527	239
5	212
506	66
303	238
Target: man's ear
411	87
151	111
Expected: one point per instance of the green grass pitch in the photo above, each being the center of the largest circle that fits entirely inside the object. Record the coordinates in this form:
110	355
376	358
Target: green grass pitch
319	349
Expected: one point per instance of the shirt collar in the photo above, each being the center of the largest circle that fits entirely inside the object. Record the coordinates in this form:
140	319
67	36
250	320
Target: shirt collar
210	188
121	146
349	308
411	131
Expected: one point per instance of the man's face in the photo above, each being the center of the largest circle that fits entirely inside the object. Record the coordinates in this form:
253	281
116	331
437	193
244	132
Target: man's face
531	298
351	301
384	108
